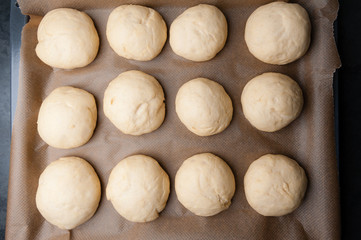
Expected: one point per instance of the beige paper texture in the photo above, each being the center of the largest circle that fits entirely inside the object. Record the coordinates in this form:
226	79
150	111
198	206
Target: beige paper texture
310	139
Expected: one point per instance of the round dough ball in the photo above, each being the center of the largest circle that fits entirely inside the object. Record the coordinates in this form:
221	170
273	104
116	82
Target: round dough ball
275	185
271	101
138	188
67	117
199	33
136	32
278	32
67	39
204	107
205	184
134	103
68	193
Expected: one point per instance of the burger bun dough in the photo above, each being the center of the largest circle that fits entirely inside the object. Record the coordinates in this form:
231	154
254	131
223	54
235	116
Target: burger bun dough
199	33
278	32
204	107
275	185
136	32
205	184
138	188
68	193
67	39
67	117
134	103
271	101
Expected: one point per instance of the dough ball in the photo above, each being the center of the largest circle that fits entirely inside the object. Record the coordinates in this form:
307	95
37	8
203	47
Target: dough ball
205	184
271	101
136	32
278	32
67	117
275	185
68	193
138	188
67	39
134	103
204	107
199	33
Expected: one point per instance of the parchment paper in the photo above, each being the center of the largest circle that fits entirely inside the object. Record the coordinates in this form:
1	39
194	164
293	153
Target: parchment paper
309	140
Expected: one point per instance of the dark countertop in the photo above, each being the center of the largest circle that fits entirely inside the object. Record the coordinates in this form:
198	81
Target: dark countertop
5	57
349	106
347	101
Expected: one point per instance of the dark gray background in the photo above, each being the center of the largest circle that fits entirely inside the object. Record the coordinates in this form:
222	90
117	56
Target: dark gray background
347	101
5	57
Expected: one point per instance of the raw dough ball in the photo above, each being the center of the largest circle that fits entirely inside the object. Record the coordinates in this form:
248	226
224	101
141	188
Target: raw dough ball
278	32
138	188
204	107
271	101
199	33
275	185
67	117
67	39
68	193
136	32
205	184
134	103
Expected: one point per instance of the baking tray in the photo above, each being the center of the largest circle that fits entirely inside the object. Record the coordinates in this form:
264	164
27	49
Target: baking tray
15	60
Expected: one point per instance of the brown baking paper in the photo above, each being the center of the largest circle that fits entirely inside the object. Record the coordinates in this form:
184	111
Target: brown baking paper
310	139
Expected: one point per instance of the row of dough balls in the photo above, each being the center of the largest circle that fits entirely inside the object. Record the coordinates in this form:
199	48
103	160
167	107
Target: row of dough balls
69	189
134	103
276	33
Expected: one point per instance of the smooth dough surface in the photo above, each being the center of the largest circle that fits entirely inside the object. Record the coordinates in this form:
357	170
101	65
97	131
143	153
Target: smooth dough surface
275	185
67	39
136	32
138	188
205	184
271	101
68	193
204	107
134	103
67	117
278	32
199	33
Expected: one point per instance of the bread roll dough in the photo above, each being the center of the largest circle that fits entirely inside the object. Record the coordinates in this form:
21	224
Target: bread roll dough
138	188
134	103
67	39
275	185
68	193
67	117
136	32
199	33
205	184
204	107
271	101
278	32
